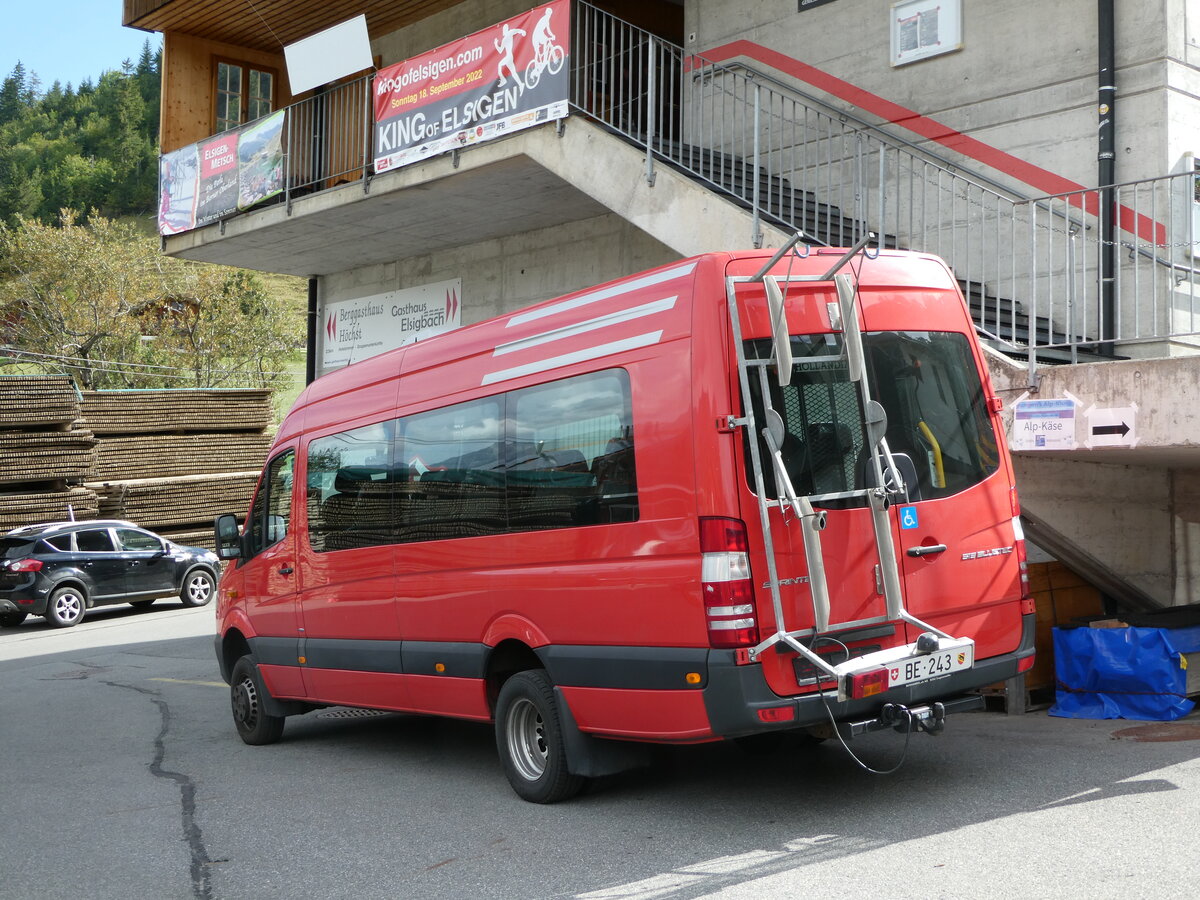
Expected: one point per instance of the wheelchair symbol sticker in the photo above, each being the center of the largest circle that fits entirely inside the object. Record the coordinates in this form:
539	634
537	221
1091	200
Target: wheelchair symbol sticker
908	517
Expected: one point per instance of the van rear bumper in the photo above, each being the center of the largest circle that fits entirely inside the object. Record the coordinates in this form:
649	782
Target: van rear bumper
735	694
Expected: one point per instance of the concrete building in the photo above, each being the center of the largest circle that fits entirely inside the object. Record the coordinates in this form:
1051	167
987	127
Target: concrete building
1045	149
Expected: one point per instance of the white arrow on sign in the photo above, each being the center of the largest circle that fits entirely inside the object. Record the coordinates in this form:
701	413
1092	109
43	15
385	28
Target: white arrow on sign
1112	427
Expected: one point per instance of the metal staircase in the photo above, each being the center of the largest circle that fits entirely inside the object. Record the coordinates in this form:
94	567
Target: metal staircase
1028	265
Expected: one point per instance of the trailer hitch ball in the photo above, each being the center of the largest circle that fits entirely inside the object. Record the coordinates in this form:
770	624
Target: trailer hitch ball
927	642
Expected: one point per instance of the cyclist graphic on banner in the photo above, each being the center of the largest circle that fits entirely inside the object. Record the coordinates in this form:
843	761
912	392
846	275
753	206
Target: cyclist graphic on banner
547	55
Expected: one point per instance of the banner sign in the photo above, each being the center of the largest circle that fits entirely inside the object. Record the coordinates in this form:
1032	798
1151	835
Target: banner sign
511	76
354	330
207	181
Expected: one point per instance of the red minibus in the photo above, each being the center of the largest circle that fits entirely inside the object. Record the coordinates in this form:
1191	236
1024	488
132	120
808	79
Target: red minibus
740	494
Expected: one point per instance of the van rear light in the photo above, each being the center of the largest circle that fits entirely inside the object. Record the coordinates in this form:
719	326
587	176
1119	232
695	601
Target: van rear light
25	565
726	584
777	714
1022	562
868	683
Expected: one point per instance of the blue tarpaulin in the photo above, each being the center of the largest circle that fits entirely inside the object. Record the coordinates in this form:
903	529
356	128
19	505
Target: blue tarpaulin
1123	673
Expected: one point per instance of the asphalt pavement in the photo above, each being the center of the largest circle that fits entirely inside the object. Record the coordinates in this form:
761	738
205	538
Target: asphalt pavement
124	778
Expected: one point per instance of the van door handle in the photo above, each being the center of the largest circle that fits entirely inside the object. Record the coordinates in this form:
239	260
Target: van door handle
287	570
926	549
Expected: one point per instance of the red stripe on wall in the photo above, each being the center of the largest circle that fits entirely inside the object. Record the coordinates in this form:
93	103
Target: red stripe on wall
895	114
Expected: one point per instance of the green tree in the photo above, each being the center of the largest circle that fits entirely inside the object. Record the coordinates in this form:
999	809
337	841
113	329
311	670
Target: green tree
98	301
95	147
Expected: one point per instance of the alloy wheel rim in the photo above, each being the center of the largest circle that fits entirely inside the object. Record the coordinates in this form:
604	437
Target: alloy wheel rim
198	589
68	607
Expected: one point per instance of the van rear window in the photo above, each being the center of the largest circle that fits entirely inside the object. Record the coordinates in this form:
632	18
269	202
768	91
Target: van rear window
558	455
930	389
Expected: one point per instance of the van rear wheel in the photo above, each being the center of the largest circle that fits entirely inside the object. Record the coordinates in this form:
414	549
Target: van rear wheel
529	740
247	696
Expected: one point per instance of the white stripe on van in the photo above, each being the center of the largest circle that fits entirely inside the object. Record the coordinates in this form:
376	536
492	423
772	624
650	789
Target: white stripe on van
596	296
624	315
541	365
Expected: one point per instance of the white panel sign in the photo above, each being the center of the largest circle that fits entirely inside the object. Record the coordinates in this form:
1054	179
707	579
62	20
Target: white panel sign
354	330
328	55
1043	425
924	28
1113	427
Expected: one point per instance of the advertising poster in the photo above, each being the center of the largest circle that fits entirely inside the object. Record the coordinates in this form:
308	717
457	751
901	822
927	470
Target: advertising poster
260	160
178	174
218	178
511	76
205	182
354	330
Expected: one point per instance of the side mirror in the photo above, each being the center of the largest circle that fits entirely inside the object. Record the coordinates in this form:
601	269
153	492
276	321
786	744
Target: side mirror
227	536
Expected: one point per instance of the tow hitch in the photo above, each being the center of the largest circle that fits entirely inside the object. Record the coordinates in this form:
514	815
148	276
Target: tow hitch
929	718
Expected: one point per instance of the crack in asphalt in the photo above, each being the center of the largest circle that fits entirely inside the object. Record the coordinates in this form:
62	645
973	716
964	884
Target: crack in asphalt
200	862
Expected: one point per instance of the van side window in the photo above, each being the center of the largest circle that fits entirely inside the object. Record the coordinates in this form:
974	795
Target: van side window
570	453
272	508
350	484
450	472
558	455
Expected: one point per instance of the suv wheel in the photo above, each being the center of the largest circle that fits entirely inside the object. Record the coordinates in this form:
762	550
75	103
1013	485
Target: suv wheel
12	619
65	607
198	588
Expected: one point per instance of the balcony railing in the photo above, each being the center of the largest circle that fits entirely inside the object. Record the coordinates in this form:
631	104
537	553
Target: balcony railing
327	138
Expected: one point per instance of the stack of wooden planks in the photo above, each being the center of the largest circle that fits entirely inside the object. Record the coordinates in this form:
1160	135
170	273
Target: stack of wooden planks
43	455
172	460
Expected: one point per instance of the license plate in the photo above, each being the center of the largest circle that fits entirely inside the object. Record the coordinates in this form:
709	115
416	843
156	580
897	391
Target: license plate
928	666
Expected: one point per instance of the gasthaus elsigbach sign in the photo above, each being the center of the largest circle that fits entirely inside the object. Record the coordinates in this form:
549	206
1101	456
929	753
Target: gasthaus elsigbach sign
502	79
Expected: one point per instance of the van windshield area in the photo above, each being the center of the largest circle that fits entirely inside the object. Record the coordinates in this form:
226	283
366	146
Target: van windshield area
936	414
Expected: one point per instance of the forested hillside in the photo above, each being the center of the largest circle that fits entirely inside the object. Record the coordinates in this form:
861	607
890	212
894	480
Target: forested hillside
84	287
90	146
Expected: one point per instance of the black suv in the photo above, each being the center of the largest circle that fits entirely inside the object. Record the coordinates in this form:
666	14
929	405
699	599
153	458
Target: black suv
63	569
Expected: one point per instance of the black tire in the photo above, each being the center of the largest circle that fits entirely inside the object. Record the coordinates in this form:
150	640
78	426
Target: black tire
246	694
198	588
141	604
66	607
12	619
529	740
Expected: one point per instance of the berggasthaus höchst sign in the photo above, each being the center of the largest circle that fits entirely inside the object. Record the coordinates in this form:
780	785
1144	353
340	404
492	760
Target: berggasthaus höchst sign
511	76
354	330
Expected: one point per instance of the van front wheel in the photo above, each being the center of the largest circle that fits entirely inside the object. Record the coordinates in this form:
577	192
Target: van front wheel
529	740
247	695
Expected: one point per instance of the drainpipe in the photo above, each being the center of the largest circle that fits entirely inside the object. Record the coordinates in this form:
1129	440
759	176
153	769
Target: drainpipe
1106	141
310	355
